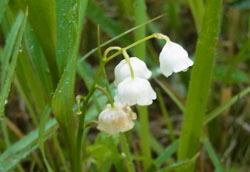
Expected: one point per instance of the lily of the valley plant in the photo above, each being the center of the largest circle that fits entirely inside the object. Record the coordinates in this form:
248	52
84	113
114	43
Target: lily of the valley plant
133	87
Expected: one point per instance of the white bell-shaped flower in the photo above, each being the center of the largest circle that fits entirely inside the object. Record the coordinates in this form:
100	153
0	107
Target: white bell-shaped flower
135	91
140	69
113	120
173	59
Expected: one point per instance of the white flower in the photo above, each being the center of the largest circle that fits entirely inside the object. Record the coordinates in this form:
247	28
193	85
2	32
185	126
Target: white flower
135	91
114	120
174	58
140	69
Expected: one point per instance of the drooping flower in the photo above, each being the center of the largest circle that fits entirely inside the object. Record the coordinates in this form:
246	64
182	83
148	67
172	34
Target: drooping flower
113	120
140	69
134	91
174	58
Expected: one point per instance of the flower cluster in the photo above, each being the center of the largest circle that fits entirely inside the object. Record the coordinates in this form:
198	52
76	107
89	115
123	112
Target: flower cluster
133	87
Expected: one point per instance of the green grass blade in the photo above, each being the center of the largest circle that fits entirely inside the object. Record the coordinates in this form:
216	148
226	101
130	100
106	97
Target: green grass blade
15	153
30	84
63	99
98	16
9	47
88	54
171	95
62	105
200	82
140	16
213	156
197	9
140	13
68	21
10	69
167	153
42	16
180	164
217	111
38	60
3	4
42	135
166	115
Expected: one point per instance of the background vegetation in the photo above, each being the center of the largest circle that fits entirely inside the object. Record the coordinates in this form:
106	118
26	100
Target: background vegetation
49	54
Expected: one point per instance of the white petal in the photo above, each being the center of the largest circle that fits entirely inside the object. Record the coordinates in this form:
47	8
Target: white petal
140	69
174	58
135	91
114	120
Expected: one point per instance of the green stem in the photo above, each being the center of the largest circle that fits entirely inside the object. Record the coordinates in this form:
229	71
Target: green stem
126	56
125	149
104	90
130	46
82	118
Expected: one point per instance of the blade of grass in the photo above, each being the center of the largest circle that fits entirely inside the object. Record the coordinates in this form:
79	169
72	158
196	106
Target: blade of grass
42	134
38	60
200	82
213	156
197	9
12	156
171	95
217	111
98	16
10	46
42	16
63	99
10	70
88	54
166	116
166	154
180	164
3	5
140	16
68	29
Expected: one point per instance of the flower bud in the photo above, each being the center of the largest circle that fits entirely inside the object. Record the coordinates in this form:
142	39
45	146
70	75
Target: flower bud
173	59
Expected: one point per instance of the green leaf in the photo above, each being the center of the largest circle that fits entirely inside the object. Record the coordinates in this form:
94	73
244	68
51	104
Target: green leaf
213	156
3	4
180	164
39	63
197	9
42	135
68	30
42	16
167	153
18	151
11	49
200	82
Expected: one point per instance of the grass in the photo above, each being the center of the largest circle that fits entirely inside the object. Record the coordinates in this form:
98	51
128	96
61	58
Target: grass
50	54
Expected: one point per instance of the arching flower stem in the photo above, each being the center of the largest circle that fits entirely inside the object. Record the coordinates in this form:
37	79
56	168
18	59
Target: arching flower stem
126	56
104	90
